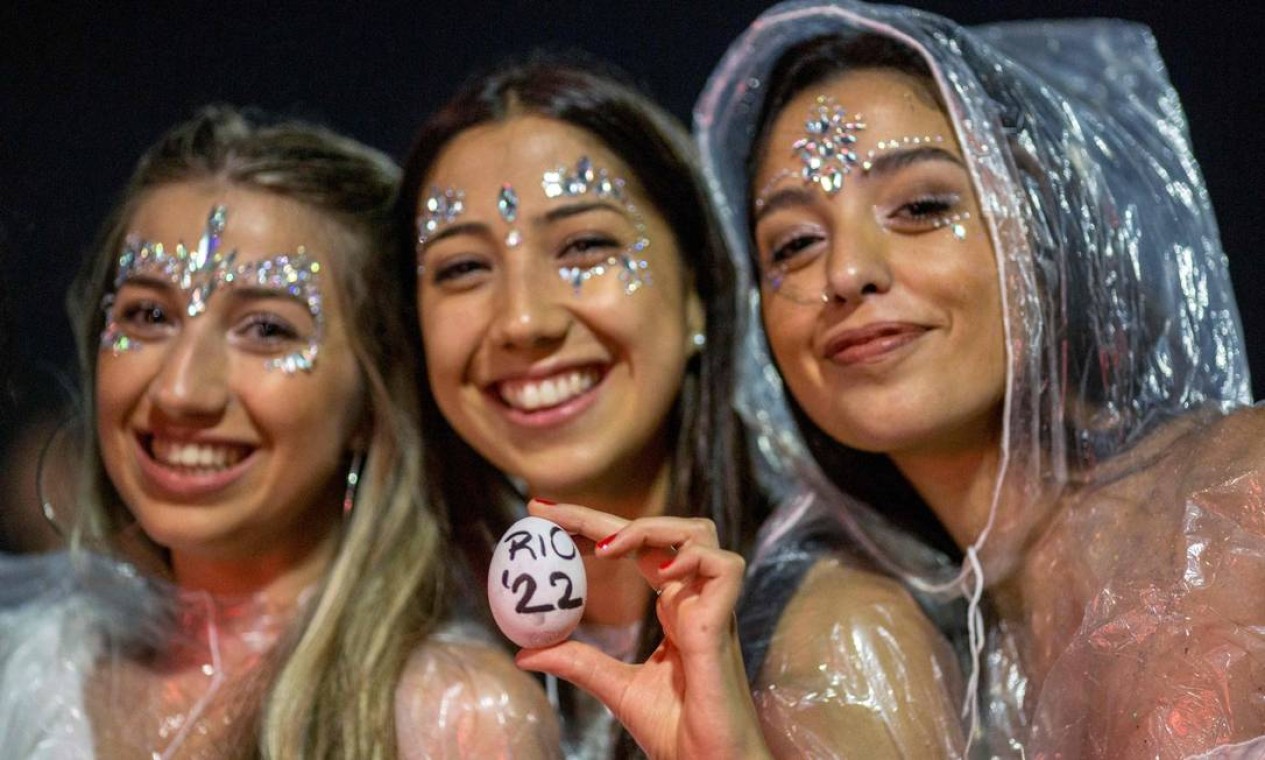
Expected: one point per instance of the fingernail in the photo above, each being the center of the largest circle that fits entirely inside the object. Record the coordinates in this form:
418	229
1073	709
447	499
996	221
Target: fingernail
667	564
605	542
546	502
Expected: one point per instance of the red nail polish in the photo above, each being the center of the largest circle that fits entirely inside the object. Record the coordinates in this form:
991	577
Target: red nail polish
605	542
546	502
667	564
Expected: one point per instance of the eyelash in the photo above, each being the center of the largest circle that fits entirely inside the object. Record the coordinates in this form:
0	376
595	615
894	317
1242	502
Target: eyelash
928	208
793	246
587	246
144	313
456	269
273	329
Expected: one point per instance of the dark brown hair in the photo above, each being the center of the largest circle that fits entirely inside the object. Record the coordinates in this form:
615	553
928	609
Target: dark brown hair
709	475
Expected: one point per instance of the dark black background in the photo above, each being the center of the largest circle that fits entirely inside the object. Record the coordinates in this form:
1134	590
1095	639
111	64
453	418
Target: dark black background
83	90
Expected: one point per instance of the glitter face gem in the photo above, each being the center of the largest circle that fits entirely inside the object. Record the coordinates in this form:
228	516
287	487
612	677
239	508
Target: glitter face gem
826	148
912	141
633	272
441	207
507	207
202	271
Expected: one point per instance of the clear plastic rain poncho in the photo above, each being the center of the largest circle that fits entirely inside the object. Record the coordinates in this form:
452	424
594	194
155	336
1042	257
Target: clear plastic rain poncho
99	660
1113	605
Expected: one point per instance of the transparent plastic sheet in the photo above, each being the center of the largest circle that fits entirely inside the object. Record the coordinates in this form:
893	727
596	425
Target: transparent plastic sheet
97	658
1126	523
460	697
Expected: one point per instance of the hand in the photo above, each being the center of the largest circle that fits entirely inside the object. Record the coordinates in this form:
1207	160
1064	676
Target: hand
690	698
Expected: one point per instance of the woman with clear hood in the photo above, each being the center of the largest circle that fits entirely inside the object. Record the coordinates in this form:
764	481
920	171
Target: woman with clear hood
992	348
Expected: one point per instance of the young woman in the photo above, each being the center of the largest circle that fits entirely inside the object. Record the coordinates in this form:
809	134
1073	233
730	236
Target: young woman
253	570
991	283
576	315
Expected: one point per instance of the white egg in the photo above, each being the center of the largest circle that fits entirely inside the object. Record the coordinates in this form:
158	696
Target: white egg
536	583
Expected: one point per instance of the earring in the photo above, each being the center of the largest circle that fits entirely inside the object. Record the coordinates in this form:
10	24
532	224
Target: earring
699	340
47	507
353	480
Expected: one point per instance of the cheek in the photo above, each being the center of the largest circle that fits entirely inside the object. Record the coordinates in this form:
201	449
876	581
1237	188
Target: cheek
789	329
450	340
122	381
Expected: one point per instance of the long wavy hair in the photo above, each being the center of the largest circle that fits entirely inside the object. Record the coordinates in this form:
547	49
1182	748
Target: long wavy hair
709	473
335	673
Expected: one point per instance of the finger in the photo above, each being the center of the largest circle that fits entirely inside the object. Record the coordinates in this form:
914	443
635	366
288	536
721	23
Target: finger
704	563
714	576
585	666
663	532
580	521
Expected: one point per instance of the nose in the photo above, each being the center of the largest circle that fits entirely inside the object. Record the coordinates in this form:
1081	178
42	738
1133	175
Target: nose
192	385
528	312
857	266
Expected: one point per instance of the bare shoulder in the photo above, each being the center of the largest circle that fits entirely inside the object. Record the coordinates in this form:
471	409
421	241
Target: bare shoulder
867	610
833	589
462	697
468	663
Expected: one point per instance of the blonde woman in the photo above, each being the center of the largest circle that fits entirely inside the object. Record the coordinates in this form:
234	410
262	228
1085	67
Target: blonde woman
253	571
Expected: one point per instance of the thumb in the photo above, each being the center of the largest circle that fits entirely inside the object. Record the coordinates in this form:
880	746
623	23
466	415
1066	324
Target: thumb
585	666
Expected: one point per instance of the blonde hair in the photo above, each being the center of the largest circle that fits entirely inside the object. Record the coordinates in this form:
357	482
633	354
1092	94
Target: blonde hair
333	692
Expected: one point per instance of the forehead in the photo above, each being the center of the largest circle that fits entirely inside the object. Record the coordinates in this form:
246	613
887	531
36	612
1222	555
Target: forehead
891	103
258	225
518	151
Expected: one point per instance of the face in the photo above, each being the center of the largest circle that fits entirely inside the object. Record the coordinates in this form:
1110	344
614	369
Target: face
228	395
557	326
878	281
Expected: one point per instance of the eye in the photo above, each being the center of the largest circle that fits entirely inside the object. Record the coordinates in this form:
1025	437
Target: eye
458	271
267	330
926	212
590	248
144	314
794	247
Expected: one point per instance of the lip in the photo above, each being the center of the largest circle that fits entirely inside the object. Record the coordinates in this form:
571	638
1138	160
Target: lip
871	343
551	416
185	484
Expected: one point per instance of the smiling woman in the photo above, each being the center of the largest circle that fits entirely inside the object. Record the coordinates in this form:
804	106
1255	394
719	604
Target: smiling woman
1009	369
254	572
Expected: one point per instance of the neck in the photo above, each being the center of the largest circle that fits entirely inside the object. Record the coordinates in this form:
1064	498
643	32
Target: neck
957	485
618	594
279	575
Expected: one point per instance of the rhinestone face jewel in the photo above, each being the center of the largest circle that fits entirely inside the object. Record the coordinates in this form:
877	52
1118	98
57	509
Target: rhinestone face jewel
903	142
201	272
826	147
507	204
442	206
634	272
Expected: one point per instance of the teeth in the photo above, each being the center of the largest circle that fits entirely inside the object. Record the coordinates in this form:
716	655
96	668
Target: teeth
198	456
530	395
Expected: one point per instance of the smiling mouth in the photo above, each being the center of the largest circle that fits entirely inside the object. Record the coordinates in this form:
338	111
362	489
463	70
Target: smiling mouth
531	395
197	458
871	343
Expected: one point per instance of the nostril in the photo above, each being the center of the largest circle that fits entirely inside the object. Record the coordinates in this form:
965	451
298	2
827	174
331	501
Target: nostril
869	288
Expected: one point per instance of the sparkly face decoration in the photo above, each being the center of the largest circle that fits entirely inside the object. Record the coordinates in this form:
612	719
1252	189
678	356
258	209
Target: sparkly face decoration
549	351
881	299
199	273
215	452
442	207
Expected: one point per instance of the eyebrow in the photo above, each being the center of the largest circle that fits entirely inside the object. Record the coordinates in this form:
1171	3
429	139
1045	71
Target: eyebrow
576	209
885	164
787	197
553	215
253	292
146	280
893	161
